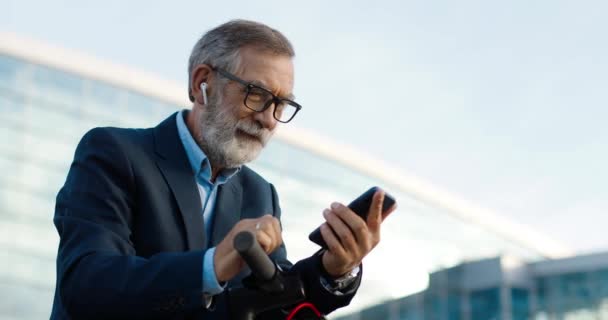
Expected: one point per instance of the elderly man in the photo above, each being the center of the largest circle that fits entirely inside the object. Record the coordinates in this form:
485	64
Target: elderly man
147	217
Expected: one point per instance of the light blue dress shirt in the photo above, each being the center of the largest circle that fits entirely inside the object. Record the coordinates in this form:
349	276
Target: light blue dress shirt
208	192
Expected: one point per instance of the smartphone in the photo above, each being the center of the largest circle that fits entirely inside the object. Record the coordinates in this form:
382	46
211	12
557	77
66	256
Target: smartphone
359	206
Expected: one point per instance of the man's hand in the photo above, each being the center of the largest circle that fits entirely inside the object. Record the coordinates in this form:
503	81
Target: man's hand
227	261
356	237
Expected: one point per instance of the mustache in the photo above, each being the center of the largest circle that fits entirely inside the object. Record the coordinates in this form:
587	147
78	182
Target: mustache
255	129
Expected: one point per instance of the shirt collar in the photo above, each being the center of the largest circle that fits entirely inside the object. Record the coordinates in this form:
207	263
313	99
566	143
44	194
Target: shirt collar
196	156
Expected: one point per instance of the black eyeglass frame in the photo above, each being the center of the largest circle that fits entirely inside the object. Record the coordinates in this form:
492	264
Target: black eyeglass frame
274	100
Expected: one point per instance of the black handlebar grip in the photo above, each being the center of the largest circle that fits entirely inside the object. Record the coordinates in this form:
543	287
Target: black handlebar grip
255	257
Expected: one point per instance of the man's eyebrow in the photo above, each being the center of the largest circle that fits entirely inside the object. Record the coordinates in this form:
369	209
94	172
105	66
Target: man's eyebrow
259	84
263	85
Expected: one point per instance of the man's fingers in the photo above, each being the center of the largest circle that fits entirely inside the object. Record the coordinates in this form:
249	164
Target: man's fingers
265	241
277	230
269	229
374	218
333	244
357	226
342	229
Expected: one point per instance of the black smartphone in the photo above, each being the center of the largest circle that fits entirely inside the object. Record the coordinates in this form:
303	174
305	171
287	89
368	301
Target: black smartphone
360	206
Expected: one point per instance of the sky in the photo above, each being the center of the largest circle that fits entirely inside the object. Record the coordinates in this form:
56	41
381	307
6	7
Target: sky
500	102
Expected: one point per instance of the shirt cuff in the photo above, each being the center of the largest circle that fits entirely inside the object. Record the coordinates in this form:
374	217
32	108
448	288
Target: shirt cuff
210	284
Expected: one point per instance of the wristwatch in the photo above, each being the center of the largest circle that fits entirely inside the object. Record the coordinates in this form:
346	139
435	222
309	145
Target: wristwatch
341	283
336	284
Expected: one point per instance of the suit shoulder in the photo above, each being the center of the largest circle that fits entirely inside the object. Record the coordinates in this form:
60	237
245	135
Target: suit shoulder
124	138
115	133
248	174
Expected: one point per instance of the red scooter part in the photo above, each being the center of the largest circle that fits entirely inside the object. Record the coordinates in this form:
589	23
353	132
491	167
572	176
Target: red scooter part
304	305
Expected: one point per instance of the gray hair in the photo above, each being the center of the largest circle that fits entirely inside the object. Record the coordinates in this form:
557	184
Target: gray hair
220	47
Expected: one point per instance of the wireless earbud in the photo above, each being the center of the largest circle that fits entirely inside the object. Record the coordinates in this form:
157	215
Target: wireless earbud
204	91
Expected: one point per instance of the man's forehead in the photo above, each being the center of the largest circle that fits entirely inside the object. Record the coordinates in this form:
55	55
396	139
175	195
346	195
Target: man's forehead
267	70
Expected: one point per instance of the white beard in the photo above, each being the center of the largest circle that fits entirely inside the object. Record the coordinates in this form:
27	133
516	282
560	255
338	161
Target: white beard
228	142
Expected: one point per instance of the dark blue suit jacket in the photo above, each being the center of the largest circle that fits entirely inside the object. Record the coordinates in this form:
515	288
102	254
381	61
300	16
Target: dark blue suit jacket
131	230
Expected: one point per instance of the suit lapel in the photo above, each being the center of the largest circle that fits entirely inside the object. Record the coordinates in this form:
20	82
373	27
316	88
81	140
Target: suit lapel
227	211
173	163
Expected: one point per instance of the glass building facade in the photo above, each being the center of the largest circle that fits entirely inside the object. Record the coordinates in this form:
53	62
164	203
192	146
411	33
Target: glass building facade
574	288
46	107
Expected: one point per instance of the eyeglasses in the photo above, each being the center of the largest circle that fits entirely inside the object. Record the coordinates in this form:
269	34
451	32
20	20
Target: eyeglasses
259	99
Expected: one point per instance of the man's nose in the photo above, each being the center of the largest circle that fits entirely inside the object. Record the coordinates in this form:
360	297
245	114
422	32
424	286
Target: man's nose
266	117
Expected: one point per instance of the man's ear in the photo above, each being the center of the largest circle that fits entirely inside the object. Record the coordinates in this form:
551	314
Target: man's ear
202	73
